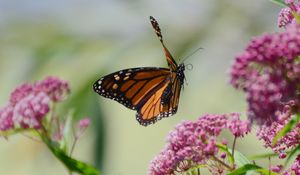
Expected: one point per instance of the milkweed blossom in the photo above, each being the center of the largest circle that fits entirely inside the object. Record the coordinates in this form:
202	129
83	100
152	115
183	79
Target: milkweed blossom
56	89
29	111
267	133
238	127
294	169
286	16
30	103
6	115
276	168
268	71
194	143
82	125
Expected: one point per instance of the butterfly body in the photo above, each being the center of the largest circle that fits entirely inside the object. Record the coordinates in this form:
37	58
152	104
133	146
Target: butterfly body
152	91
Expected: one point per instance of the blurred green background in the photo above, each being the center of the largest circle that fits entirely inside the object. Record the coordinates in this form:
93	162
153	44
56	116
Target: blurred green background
80	41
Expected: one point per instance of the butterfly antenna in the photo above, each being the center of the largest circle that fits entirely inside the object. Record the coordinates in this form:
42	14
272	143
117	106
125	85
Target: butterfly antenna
191	54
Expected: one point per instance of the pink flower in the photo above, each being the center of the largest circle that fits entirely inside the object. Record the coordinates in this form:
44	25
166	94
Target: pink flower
189	141
197	140
276	168
286	16
295	168
193	143
30	103
223	155
282	155
20	92
238	127
29	112
268	132
268	71
289	1
6	114
82	125
163	164
55	88
224	141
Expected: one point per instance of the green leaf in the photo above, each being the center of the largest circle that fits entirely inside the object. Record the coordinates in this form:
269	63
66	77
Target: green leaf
263	156
287	128
297	17
266	172
67	131
243	170
279	2
292	153
250	167
73	165
240	159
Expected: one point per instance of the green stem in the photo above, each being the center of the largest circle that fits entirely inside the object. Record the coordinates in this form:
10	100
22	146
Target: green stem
233	146
269	165
52	116
32	138
73	146
222	163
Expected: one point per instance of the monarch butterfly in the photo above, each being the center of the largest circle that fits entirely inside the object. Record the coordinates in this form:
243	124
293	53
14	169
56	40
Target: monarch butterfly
152	91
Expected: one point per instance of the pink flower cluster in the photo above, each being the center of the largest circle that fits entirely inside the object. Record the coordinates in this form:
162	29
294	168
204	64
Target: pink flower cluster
268	71
29	103
277	168
295	167
285	16
293	170
237	126
267	133
193	143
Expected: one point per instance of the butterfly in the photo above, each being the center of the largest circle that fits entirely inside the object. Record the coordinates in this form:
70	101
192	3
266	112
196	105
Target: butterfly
152	91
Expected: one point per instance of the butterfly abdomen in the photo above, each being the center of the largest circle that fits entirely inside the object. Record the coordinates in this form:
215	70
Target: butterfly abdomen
167	94
180	73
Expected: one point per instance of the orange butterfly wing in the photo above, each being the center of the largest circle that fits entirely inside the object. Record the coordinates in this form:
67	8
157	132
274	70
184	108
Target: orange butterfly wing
157	105
130	86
